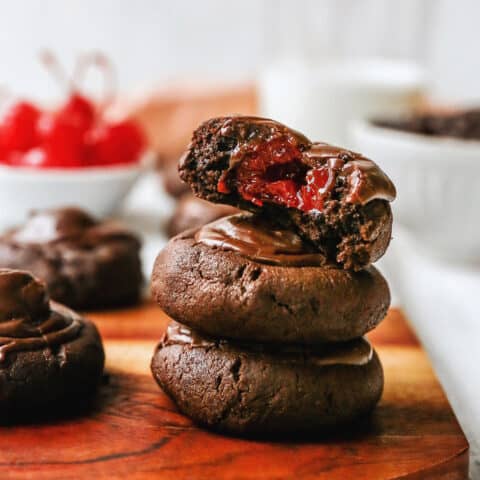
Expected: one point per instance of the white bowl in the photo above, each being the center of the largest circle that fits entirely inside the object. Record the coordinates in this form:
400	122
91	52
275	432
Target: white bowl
321	100
438	191
98	190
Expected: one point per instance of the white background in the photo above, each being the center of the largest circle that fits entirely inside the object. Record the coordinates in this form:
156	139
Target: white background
154	39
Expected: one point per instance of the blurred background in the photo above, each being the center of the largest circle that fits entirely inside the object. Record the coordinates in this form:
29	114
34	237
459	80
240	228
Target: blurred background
326	67
150	41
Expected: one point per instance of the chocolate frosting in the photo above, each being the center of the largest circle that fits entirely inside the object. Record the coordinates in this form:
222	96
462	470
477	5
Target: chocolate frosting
260	240
364	180
66	225
251	130
28	321
355	352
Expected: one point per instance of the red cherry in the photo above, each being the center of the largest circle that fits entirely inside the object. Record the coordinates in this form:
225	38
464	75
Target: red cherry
79	111
3	154
63	141
117	143
33	158
283	190
272	172
18	128
222	186
313	194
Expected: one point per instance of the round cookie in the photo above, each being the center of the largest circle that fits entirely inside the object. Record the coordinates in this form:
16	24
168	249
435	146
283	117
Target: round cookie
51	359
335	198
227	294
85	263
257	390
192	212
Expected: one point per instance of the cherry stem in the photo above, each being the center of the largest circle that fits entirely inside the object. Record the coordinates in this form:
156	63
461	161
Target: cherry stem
100	61
5	95
51	63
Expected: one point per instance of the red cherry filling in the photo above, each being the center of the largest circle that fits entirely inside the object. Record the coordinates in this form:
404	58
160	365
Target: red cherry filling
319	183
273	171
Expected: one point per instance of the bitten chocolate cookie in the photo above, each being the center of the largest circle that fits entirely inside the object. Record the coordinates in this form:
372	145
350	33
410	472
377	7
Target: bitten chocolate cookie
50	358
336	199
192	212
241	277
253	389
85	263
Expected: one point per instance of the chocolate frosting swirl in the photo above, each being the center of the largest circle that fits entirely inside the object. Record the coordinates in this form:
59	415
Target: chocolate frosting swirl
260	240
355	352
28	321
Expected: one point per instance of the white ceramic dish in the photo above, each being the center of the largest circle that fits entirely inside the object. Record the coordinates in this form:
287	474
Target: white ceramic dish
99	190
438	186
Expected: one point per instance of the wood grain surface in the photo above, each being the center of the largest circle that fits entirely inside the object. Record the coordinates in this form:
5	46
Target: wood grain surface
134	431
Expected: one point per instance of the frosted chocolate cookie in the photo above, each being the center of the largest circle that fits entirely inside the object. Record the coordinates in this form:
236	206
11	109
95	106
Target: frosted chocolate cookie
50	358
255	389
336	199
242	277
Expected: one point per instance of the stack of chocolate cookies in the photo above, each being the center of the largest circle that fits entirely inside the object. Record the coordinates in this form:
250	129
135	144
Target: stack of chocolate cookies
270	307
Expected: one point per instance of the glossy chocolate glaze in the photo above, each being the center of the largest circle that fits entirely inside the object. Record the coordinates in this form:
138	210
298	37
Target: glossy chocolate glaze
260	240
356	352
28	321
251	130
364	181
71	226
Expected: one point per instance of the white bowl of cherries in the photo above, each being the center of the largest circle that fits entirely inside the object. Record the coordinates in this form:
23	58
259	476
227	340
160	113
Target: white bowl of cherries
71	155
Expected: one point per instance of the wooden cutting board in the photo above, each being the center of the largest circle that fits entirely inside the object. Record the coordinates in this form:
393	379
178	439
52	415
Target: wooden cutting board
134	431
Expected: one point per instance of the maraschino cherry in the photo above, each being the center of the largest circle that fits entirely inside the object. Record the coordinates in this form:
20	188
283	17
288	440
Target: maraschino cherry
272	171
121	142
18	127
75	135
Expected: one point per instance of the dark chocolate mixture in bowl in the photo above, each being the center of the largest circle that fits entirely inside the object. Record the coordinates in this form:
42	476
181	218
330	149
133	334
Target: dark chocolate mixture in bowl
463	124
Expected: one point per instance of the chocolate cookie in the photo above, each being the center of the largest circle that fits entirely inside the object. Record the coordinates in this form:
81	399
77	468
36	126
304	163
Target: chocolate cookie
241	278
252	389
50	358
192	212
336	199
85	263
